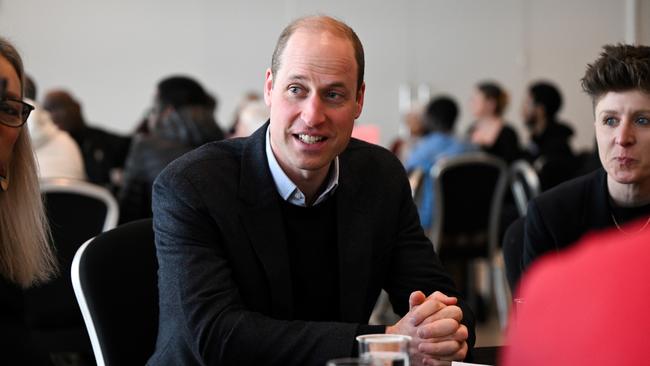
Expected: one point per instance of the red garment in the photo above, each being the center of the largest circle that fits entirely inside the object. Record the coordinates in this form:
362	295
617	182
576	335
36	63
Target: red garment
589	305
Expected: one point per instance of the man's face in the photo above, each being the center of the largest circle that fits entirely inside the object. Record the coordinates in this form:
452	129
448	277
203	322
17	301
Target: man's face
8	135
313	101
623	135
528	111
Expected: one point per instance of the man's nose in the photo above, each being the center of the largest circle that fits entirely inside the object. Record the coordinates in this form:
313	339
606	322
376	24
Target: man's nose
313	112
625	134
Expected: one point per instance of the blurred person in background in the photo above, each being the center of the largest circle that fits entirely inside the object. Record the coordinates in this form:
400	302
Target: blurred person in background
490	131
549	150
251	117
249	97
182	119
103	152
26	258
438	141
415	129
57	154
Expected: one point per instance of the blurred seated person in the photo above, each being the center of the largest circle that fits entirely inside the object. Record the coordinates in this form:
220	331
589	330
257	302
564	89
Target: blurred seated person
438	142
251	117
181	120
549	150
618	83
489	131
57	154
402	146
248	97
26	258
585	306
103	152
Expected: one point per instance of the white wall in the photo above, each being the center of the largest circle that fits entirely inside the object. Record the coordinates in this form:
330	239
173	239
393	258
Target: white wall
111	53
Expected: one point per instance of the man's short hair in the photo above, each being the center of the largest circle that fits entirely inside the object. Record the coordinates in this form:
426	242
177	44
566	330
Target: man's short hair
493	91
440	114
620	67
182	91
548	96
320	23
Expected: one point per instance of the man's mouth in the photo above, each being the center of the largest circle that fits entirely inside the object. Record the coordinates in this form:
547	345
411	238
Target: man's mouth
309	139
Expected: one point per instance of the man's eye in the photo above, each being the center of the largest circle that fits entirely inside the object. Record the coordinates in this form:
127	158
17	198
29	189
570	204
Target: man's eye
294	90
611	121
642	121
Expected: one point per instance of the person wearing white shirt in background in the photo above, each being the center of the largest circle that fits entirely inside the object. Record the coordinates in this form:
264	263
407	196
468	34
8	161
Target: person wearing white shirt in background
57	154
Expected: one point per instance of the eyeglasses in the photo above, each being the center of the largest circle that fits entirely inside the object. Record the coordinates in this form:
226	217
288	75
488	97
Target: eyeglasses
14	112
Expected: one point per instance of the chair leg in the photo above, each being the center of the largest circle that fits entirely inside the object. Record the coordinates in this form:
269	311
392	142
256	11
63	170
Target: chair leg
501	291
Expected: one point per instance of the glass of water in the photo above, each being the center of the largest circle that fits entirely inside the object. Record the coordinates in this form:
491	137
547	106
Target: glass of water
385	349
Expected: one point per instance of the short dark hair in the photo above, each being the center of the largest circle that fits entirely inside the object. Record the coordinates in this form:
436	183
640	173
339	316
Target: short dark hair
548	96
181	91
620	67
321	23
440	114
492	91
30	88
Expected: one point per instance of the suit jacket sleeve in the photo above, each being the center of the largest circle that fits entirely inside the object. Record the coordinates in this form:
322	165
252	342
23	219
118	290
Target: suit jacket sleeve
199	298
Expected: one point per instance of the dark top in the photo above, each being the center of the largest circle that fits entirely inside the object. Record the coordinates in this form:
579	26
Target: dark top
559	217
550	153
16	346
101	151
311	240
505	146
225	278
172	137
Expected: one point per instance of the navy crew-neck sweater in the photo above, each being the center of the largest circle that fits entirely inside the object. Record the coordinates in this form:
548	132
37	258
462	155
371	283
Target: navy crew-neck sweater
313	257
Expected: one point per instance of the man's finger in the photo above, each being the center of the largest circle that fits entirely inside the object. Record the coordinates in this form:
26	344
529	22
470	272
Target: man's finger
425	310
447	300
448	312
439	350
416	298
438	329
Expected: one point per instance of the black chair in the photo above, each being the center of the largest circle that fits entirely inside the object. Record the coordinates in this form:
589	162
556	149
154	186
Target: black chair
76	211
469	194
524	183
513	248
115	280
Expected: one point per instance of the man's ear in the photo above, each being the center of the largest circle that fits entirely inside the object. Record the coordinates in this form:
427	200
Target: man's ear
268	87
360	97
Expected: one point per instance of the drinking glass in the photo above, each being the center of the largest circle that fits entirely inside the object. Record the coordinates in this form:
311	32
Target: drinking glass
385	349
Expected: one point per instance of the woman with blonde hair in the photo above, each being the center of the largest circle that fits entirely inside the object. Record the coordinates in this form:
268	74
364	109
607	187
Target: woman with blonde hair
25	254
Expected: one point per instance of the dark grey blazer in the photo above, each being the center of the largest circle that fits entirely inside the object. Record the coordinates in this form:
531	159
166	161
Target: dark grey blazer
559	217
225	286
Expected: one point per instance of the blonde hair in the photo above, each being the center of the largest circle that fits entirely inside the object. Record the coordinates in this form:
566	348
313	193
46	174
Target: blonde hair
26	257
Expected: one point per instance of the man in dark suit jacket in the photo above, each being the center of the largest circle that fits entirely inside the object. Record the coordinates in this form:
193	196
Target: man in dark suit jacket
273	249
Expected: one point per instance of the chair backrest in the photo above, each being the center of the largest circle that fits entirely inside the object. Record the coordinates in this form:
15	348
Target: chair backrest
524	183
76	211
115	281
513	250
469	194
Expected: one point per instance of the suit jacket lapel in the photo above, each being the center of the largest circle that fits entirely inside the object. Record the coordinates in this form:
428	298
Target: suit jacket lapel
263	223
354	245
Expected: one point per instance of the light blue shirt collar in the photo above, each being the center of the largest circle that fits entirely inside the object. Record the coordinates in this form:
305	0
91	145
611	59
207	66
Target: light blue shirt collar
287	189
